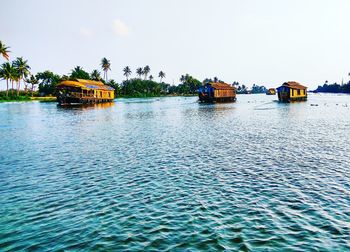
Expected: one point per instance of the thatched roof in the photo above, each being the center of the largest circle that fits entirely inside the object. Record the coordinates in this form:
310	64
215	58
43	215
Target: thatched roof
294	85
222	86
85	84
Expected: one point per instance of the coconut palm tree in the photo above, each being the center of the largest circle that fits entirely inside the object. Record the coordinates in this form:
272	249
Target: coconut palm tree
106	65
146	71
14	77
22	69
150	77
4	50
182	79
161	75
33	81
95	75
139	72
127	72
79	73
6	74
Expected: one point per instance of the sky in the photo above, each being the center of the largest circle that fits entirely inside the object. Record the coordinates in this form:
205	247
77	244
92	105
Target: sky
250	41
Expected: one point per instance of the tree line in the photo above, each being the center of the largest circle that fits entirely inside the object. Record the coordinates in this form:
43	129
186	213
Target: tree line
334	88
143	83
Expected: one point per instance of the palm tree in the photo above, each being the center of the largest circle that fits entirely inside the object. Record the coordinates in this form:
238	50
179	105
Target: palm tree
161	75
33	81
22	69
4	50
139	72
14	78
150	77
106	65
95	75
6	74
79	73
146	71
127	72
183	79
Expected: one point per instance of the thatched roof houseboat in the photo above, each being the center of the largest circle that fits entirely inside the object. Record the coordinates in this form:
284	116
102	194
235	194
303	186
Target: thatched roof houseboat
81	91
292	91
271	91
217	92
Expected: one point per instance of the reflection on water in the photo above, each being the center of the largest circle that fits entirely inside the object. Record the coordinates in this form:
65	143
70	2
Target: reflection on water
171	174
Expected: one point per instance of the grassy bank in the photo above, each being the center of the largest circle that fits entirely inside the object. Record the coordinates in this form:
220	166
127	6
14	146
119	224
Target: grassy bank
23	96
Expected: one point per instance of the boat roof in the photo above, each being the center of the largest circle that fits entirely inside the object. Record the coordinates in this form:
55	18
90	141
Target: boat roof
220	85
293	84
86	84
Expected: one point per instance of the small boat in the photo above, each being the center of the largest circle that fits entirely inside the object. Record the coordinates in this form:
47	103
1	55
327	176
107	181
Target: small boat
271	91
81	91
292	91
217	92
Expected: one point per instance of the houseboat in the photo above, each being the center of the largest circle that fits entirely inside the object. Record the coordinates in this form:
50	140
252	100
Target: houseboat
81	91
292	91
217	92
271	91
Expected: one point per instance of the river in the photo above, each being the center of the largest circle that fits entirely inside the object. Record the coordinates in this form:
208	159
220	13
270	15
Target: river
171	174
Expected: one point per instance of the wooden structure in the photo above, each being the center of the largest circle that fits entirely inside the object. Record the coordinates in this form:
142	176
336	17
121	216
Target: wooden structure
271	91
292	91
217	92
81	91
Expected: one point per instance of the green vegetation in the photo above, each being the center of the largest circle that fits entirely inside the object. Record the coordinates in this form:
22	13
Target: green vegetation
334	88
143	84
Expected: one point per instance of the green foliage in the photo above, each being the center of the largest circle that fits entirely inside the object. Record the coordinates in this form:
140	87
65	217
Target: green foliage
116	87
258	89
188	86
334	88
12	96
95	75
143	88
4	51
79	73
47	82
127	72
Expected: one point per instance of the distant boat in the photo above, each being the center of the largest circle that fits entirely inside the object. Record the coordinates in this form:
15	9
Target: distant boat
271	91
217	92
81	91
292	91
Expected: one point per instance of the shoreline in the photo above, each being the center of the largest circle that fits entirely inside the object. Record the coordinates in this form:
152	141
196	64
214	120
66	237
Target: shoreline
54	99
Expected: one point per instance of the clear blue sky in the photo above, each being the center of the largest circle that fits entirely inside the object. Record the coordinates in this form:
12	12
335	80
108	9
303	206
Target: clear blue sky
250	41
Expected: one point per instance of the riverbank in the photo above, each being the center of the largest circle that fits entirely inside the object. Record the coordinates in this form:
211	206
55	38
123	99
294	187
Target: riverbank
54	99
26	98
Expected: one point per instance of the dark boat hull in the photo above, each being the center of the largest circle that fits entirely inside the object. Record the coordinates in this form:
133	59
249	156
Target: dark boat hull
64	100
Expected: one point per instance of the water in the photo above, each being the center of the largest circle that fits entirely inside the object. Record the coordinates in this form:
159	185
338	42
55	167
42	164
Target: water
170	174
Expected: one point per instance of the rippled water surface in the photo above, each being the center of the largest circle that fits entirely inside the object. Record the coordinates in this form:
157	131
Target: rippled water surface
170	174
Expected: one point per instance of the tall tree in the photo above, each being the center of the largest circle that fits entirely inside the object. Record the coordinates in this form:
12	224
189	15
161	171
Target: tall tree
47	82
6	74
79	73
22	69
139	72
182	79
161	76
14	77
150	77
127	72
33	81
95	75
106	66
146	71
4	50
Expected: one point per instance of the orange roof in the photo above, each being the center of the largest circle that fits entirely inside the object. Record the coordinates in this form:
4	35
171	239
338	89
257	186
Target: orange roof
85	84
294	84
219	85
